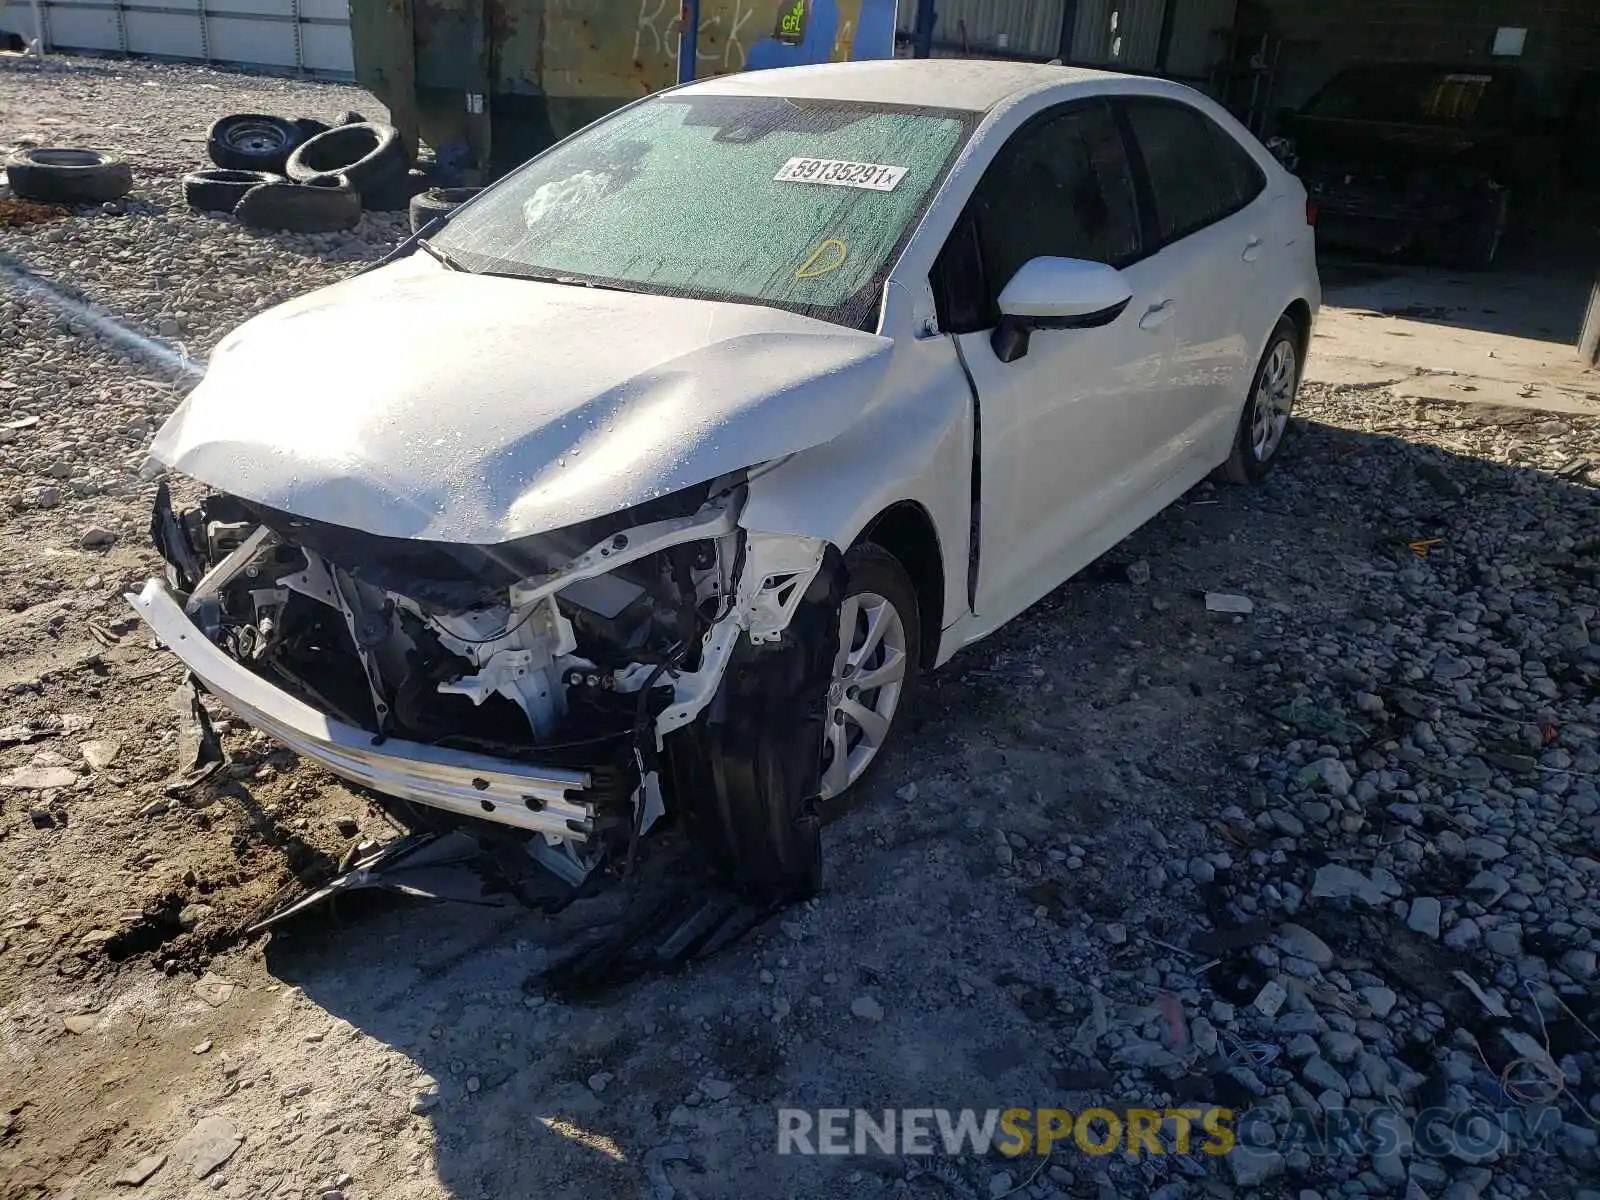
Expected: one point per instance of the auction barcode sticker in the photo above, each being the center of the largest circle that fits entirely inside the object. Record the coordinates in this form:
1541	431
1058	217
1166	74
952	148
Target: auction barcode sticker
874	177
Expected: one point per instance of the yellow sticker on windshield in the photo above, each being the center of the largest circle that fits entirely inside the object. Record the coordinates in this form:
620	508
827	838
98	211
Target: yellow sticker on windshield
827	257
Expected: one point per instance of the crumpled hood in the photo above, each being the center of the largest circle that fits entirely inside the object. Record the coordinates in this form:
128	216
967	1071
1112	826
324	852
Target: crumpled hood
419	402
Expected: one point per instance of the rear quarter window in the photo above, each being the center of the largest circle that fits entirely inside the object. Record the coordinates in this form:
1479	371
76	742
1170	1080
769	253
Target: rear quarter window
1197	171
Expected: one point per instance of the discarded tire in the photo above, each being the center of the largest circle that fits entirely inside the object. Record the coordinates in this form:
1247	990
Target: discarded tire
309	127
435	202
220	191
368	155
321	206
62	176
395	193
252	142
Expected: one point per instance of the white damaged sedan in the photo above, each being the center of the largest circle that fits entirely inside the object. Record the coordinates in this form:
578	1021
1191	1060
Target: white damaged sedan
647	482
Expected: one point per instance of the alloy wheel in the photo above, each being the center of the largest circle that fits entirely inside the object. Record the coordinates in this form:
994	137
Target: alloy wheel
868	677
1273	401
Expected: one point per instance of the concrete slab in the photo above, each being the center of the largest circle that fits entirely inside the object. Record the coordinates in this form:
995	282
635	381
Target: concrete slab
1501	337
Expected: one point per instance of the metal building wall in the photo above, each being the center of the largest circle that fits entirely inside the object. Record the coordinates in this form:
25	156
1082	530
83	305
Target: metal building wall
1115	33
1030	27
1122	33
308	35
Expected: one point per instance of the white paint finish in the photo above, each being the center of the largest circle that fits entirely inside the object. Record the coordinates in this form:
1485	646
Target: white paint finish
445	406
1063	288
961	83
1213	351
243	40
452	407
172	34
327	48
274	8
252	32
915	447
81	28
1069	434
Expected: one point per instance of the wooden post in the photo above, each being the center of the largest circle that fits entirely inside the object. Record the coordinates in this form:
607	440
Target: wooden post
1589	339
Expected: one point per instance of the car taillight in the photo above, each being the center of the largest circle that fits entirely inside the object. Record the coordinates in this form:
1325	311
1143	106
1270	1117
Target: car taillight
1311	213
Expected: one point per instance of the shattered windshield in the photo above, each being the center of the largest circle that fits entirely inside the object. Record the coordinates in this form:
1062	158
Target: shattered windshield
1402	95
800	204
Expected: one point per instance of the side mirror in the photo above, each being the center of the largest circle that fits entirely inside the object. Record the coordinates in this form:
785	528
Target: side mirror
1057	293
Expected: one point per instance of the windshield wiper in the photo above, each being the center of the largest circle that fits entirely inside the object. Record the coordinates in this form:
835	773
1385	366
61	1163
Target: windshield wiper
575	281
451	263
455	264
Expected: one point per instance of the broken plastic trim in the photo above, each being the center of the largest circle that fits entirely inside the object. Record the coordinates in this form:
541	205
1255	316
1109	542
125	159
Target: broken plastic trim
738	747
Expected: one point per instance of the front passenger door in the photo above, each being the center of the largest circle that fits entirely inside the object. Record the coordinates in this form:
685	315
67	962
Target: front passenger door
1065	430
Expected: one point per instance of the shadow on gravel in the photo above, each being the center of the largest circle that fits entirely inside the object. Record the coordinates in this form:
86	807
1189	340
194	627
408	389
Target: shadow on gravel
1113	713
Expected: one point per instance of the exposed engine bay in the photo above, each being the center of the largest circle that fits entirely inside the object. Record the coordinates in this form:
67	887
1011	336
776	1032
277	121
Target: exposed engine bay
564	692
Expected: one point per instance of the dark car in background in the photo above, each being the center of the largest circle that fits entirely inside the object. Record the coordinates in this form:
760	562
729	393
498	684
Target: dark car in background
1426	158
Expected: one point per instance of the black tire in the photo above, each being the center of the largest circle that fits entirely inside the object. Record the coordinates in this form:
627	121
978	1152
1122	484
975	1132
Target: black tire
1485	232
252	142
217	190
309	127
872	569
435	202
317	207
1246	464
368	155
349	117
56	175
395	194
743	777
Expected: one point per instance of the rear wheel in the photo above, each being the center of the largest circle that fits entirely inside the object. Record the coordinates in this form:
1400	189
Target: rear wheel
875	670
1264	424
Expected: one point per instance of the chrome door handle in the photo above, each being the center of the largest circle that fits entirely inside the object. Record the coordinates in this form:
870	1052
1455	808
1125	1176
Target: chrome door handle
1252	250
1157	315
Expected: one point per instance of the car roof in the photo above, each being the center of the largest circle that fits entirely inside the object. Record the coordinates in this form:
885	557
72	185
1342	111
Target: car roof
977	85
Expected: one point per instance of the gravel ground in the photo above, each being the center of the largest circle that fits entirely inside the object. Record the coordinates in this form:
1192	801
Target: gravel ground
1341	852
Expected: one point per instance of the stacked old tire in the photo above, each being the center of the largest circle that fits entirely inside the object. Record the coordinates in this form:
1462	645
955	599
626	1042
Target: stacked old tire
59	175
428	205
302	176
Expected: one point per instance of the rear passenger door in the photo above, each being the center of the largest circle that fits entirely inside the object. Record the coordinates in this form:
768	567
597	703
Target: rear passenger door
1206	227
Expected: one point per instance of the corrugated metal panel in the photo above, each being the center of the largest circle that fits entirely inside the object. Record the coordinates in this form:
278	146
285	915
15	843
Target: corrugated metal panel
286	34
1122	33
1012	26
1199	37
1091	34
1140	33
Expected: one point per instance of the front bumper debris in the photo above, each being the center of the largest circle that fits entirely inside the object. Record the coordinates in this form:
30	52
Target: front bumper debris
536	799
528	712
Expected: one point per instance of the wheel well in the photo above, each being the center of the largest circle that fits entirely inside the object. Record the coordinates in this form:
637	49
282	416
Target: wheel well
1300	313
906	531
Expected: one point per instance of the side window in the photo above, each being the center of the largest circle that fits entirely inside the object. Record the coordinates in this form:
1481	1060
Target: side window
1061	187
1198	173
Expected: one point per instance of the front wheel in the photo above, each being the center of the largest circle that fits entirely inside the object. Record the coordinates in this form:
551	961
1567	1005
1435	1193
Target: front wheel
875	670
1264	424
